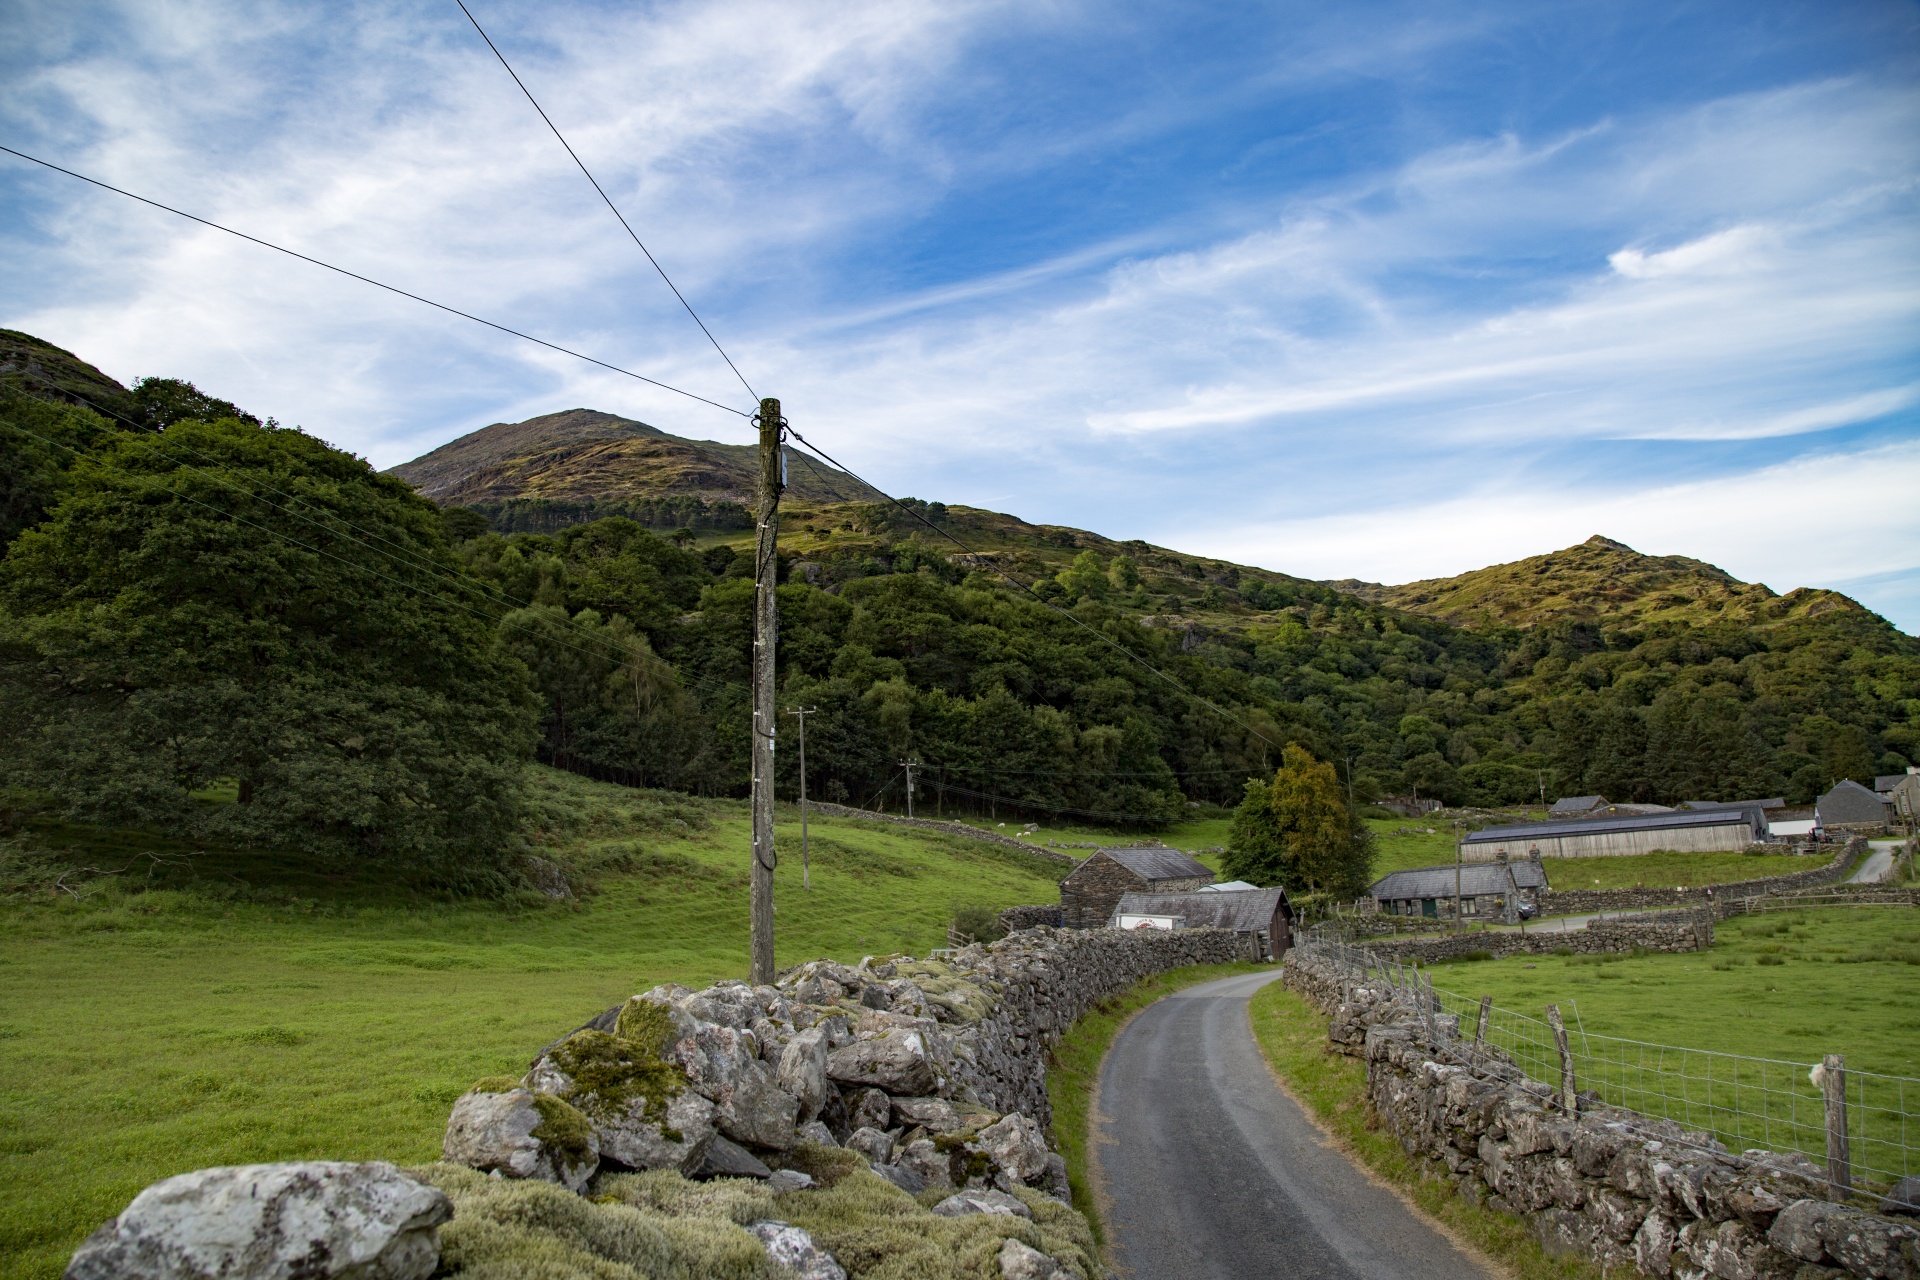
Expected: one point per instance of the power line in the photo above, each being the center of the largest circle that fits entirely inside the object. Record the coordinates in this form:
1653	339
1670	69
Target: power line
603	196
948	535
354	275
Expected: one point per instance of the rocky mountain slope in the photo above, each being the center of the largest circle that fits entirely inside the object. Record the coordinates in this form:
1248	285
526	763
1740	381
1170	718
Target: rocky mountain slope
585	456
1600	580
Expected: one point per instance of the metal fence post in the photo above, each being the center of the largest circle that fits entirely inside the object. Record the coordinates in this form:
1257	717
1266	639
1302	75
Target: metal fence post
1833	1088
1569	1096
1486	1014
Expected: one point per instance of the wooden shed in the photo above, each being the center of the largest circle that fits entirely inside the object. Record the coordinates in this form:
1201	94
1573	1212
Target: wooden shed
1091	890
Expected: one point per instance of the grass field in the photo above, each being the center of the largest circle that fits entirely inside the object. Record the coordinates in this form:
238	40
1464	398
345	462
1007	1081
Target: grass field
1781	989
232	1011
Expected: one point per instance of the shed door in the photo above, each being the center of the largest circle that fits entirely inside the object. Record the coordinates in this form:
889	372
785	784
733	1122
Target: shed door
1429	908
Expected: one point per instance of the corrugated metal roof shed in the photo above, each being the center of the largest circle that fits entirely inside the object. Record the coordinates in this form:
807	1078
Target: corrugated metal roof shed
1476	879
1157	862
1244	910
1520	832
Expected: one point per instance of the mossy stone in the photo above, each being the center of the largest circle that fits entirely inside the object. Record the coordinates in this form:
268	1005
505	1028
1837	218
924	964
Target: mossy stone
563	1129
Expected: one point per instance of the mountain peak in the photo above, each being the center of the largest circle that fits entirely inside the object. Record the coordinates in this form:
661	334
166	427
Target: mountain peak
587	456
1601	540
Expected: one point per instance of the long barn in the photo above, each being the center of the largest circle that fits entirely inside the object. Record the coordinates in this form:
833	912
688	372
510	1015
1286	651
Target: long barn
1685	831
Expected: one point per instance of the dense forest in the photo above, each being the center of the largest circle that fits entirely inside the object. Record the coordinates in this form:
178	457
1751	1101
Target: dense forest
216	625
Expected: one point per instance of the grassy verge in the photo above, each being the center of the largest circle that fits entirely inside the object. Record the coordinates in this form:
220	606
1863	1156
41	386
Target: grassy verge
1334	1087
1073	1069
235	1010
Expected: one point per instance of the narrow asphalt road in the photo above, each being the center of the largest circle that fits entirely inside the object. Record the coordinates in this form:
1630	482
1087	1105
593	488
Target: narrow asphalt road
1874	867
1211	1172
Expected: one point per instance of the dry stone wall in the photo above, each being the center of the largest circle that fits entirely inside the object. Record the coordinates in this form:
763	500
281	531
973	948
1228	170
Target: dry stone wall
1629	1192
951	828
1674	931
1576	901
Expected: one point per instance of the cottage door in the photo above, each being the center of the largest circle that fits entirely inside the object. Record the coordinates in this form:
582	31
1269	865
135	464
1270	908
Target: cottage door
1429	908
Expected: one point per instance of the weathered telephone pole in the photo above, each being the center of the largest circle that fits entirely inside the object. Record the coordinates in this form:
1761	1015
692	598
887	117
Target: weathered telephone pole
910	766
766	626
801	714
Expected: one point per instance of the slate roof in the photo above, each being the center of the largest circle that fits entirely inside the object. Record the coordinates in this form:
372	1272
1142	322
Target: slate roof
1848	801
1772	802
1521	832
1888	781
1575	804
1157	862
1228	886
1244	909
1476	879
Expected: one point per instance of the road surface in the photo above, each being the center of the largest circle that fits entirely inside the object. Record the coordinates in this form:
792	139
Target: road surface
1879	860
1210	1172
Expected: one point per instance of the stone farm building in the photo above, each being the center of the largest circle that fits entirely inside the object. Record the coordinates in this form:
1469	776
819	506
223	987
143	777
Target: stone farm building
1850	807
1485	888
1576	806
1248	911
1686	831
1902	792
1092	890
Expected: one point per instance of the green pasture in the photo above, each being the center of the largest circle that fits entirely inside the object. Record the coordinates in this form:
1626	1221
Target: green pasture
1786	986
222	1009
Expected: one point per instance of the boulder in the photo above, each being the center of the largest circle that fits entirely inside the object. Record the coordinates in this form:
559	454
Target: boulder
934	1167
726	1159
522	1134
1800	1228
642	1113
905	1179
876	1146
897	1062
1903	1199
304	1220
868	1109
795	1250
1056	1182
803	1070
634	1142
1024	1262
935	1115
721	1065
990	1202
1015	1144
815	1132
789	1180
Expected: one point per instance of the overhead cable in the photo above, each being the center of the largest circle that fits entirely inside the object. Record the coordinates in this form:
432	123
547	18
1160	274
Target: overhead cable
354	275
605	197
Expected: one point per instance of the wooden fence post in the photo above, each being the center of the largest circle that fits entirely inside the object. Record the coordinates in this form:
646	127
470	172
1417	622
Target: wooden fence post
1569	1096
1486	1014
1833	1087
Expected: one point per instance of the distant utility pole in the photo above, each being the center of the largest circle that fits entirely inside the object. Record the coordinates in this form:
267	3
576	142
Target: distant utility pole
1349	788
1543	788
910	766
766	626
1459	920
806	872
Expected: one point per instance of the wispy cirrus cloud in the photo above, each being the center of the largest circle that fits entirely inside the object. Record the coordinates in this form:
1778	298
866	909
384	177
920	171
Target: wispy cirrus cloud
1100	265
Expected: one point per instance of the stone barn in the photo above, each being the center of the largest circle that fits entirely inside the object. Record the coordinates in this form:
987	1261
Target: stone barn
1849	808
1486	889
1262	912
1092	890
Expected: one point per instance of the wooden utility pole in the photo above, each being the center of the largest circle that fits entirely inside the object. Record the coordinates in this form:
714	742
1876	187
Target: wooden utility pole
806	871
1459	920
910	766
766	626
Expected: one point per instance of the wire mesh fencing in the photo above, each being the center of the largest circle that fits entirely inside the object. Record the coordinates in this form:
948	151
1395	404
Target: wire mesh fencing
1861	1124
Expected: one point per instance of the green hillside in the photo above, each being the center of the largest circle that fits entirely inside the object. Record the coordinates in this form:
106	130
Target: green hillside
1600	581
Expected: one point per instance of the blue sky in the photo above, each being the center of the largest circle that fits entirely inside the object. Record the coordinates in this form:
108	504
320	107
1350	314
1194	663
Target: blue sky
1373	290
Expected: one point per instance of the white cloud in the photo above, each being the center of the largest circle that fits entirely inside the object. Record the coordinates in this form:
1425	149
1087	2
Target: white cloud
1732	250
1811	522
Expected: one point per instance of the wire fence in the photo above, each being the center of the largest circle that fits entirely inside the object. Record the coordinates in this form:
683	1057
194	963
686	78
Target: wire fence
1824	1110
